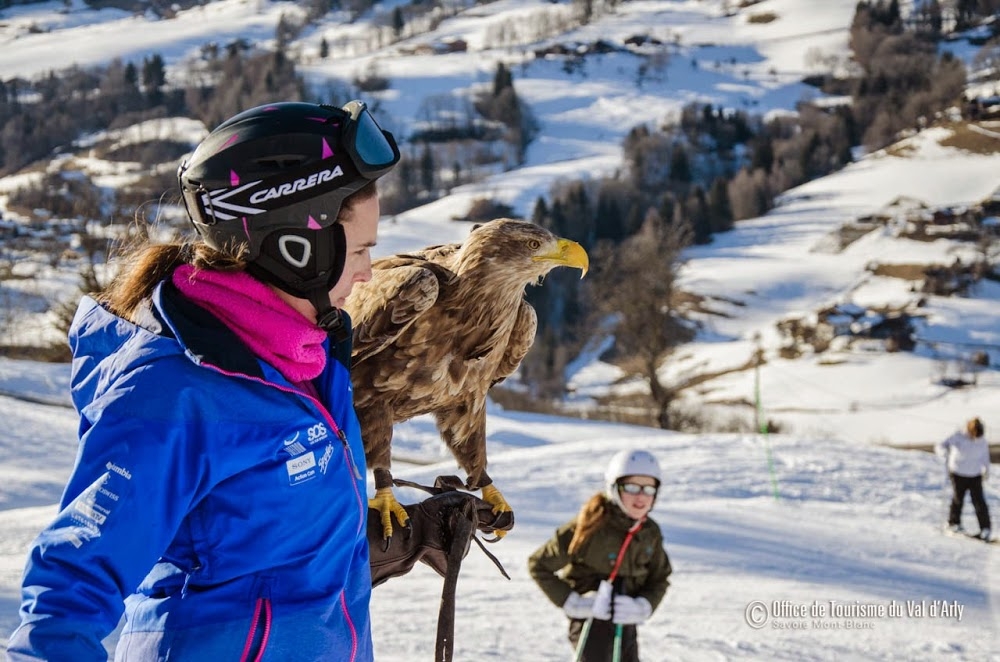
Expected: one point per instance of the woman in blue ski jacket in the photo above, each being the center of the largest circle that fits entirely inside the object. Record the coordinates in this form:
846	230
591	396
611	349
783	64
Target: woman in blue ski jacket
218	498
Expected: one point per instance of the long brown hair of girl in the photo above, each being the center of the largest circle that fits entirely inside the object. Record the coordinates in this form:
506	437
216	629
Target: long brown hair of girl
588	520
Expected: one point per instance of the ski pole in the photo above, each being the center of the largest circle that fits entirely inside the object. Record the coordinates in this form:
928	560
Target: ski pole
578	655
949	491
611	578
616	655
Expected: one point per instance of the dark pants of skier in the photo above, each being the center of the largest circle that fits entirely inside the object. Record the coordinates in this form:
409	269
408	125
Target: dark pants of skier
600	641
974	486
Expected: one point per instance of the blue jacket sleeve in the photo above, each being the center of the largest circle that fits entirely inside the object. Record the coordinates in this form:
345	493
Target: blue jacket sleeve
136	477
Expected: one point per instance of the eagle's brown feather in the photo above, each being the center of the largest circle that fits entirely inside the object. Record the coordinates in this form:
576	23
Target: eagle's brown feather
435	329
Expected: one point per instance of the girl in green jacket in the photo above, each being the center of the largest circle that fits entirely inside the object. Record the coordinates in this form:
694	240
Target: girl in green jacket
607	568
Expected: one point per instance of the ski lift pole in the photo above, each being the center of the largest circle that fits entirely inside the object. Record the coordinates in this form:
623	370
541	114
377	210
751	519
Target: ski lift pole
762	426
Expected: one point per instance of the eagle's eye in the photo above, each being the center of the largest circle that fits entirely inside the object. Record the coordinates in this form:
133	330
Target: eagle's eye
534	244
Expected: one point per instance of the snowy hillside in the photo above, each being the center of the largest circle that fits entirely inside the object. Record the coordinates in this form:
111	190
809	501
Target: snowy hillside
852	526
853	523
763	272
779	266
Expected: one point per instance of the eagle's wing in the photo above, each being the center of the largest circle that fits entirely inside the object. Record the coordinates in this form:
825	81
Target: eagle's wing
399	292
522	336
438	254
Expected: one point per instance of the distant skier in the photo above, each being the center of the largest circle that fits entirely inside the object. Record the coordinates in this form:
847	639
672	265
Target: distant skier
968	459
607	568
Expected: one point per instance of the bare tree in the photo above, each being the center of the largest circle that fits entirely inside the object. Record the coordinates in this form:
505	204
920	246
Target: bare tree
637	287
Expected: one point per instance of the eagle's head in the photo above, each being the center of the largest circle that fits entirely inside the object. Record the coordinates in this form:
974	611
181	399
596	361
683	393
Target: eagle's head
520	251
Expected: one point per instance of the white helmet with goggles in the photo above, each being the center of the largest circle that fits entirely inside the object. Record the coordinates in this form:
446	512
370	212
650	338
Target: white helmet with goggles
272	180
629	463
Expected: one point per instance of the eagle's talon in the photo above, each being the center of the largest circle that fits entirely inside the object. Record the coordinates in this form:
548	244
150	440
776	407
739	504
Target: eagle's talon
498	530
492	496
385	503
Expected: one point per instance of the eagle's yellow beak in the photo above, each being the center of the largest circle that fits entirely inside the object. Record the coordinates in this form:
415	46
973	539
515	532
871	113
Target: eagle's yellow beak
568	253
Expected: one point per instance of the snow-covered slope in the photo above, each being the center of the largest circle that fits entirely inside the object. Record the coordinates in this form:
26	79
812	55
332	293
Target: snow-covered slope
851	526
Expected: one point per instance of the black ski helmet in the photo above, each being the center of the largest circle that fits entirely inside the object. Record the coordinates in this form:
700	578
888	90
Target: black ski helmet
273	178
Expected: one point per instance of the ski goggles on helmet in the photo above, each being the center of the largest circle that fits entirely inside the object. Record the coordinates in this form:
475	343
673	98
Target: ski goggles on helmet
373	151
636	489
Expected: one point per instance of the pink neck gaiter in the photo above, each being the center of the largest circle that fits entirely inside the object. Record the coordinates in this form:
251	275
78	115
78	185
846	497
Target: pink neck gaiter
272	329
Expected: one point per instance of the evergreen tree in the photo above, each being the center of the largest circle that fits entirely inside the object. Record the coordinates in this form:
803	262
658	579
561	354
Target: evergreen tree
502	79
696	211
720	213
154	77
680	166
577	207
132	75
398	22
608	219
540	213
428	170
763	153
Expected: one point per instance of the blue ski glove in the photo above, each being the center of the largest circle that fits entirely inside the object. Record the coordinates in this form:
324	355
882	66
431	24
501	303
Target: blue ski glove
631	611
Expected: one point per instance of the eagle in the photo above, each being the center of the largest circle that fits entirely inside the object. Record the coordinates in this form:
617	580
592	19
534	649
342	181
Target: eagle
433	330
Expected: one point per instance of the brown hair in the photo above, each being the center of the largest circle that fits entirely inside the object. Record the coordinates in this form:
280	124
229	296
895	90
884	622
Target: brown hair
975	428
588	520
144	264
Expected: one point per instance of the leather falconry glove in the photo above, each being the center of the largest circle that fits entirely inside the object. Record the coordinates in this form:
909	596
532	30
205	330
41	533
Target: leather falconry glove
442	528
446	518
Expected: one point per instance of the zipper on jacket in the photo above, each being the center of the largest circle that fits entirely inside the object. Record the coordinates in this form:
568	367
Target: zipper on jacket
260	631
350	453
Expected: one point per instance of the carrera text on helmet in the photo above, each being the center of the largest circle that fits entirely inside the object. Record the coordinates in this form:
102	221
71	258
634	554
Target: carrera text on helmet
300	184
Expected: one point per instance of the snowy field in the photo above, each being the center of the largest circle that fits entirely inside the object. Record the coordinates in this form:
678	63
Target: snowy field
853	529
